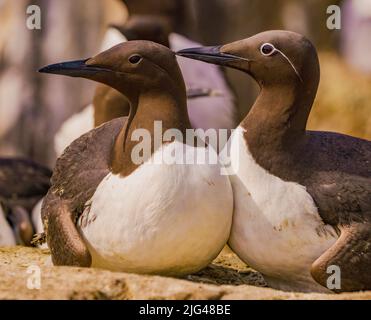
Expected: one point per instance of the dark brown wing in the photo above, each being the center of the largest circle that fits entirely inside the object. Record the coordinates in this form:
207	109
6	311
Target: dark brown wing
347	205
345	199
339	181
65	243
352	254
77	174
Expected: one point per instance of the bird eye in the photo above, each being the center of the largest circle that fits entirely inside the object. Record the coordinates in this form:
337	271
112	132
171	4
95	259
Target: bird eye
267	49
135	59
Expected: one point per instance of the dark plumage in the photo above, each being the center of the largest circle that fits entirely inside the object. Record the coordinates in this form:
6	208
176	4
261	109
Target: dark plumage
23	183
74	181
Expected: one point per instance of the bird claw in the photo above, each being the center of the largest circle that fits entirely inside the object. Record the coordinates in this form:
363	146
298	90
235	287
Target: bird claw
38	239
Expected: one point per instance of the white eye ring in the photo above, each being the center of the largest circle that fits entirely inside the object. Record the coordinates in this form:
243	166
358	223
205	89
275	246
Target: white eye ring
269	46
135	58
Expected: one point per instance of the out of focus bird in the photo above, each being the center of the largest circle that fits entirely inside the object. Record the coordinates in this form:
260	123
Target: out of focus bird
355	34
7	237
23	183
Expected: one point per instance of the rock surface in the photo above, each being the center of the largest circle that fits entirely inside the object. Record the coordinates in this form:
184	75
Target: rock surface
226	278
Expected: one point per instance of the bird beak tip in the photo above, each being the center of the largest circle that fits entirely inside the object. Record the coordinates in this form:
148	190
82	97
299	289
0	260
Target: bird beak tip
43	70
208	54
77	68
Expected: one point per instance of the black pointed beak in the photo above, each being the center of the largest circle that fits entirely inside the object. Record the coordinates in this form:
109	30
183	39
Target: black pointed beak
209	54
77	68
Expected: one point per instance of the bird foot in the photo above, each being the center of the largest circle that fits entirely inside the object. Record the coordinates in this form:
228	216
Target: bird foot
38	239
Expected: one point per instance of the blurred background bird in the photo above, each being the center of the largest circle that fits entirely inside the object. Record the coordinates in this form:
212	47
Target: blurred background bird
22	184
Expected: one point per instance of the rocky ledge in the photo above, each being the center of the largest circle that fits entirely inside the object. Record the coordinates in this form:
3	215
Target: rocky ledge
226	278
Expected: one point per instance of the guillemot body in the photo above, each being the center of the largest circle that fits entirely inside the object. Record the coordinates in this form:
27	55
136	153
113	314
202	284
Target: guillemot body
22	184
302	198
106	210
217	111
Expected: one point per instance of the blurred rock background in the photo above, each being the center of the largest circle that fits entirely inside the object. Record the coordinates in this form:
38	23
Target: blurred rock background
33	106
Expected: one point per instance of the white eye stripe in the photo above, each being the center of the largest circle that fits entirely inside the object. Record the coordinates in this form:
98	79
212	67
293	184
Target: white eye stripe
274	50
292	65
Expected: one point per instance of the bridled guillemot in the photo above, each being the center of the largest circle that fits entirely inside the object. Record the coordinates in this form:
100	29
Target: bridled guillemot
302	198
146	218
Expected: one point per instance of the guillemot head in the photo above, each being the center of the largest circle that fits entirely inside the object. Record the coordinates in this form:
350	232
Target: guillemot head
135	69
271	57
132	67
169	9
146	27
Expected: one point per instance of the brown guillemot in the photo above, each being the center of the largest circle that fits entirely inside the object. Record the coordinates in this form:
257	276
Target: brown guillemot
302	198
161	218
218	111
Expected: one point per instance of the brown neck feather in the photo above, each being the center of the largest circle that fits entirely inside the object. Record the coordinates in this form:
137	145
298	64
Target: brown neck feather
168	106
109	104
277	121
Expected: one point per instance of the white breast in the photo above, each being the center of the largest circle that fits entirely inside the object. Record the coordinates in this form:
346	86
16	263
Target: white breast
276	226
112	38
6	233
164	219
36	217
73	128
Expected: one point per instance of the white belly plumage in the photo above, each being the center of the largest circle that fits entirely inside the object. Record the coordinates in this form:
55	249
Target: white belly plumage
6	233
163	218
73	128
276	226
